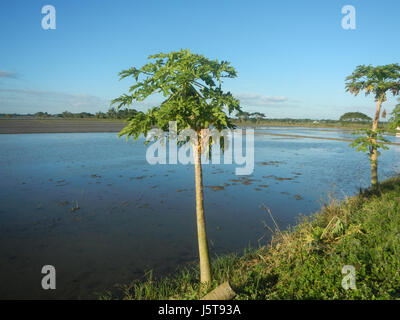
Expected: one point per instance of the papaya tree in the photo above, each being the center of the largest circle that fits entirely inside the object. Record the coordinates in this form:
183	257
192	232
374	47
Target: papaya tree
379	81
394	121
194	99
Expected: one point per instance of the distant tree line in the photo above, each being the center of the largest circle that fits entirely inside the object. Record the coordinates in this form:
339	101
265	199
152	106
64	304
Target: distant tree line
110	114
243	116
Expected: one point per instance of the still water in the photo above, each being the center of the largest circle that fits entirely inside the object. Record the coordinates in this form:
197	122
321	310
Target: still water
90	205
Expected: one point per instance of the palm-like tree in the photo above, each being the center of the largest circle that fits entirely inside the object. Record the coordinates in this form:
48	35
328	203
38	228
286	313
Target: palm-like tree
191	85
377	80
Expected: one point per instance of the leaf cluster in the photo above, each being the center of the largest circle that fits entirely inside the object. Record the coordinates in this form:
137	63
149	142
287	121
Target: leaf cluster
394	121
377	80
192	87
369	141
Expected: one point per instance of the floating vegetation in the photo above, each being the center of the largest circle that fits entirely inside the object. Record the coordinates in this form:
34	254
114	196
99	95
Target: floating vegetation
181	190
61	183
282	179
263	185
271	163
95	176
257	189
63	203
216	188
137	178
298	197
276	178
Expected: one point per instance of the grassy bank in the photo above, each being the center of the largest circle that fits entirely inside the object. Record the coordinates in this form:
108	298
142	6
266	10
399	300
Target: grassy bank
334	124
306	262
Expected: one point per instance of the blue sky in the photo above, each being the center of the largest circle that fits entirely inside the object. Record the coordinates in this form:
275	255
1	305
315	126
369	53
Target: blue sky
291	56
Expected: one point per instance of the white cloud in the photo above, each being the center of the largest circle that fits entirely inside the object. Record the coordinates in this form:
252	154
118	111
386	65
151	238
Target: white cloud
258	100
30	101
8	74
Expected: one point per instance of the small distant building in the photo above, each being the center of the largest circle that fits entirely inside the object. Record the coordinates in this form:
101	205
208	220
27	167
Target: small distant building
315	121
398	132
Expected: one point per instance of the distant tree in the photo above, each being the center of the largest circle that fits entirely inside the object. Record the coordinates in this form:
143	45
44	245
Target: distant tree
41	114
126	113
191	84
67	114
84	115
100	115
112	113
354	117
243	115
258	116
378	80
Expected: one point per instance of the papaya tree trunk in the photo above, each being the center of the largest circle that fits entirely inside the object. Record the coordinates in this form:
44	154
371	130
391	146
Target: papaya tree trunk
374	167
205	269
374	151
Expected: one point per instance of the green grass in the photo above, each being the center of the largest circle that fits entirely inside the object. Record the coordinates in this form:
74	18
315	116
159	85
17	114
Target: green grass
306	261
345	125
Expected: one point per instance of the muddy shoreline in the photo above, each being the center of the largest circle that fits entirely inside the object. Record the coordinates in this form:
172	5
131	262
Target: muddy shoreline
11	126
24	126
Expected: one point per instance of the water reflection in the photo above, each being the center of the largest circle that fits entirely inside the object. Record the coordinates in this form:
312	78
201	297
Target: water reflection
89	204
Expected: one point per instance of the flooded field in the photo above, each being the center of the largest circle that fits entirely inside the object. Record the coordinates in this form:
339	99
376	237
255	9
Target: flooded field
90	205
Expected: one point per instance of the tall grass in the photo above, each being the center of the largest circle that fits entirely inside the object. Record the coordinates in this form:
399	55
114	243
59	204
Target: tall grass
305	262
